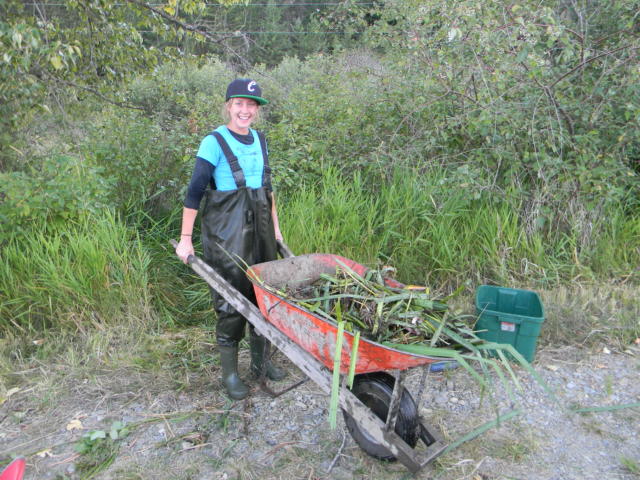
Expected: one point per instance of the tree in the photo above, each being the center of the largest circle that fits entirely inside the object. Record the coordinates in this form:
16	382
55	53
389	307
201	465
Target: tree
53	51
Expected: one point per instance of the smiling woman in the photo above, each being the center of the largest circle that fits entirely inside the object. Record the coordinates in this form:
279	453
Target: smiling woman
239	221
242	112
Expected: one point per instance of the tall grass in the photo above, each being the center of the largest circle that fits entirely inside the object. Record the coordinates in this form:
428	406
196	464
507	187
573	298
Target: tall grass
92	272
179	296
440	236
102	269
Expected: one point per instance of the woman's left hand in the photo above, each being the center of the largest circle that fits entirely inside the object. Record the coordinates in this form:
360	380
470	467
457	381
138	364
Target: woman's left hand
185	249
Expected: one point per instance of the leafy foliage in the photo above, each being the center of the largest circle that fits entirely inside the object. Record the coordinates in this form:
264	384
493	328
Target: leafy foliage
98	448
52	192
140	159
539	96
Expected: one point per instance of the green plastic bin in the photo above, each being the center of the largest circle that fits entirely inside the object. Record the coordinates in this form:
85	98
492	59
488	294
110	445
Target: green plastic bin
509	315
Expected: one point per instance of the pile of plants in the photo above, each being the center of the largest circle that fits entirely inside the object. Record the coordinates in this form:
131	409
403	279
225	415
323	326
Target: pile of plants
379	311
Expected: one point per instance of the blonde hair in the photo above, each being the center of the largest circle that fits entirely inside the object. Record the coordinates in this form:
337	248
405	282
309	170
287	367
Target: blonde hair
224	112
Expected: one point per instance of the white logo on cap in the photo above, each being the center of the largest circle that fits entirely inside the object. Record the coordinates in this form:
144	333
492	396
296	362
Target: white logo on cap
251	87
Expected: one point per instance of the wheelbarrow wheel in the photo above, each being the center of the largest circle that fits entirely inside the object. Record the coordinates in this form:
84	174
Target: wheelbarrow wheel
375	390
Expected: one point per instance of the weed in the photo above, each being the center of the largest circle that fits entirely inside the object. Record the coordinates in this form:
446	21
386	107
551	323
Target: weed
516	451
98	449
224	420
591	425
608	385
631	465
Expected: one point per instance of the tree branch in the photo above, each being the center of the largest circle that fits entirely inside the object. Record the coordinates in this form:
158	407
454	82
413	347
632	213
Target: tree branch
589	60
180	23
96	93
190	28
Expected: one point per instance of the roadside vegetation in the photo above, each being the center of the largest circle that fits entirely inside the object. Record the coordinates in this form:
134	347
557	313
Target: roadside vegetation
462	143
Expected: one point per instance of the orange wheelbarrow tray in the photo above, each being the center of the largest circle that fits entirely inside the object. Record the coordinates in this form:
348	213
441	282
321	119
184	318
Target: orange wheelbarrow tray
317	335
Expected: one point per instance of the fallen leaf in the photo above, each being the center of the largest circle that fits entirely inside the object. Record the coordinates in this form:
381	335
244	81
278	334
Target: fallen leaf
11	391
40	341
45	453
74	424
553	368
600	365
5	397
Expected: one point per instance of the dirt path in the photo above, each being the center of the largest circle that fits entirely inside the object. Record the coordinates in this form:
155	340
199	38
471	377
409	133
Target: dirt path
196	433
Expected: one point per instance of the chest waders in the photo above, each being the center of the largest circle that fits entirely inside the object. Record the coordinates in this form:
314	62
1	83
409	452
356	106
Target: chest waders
237	231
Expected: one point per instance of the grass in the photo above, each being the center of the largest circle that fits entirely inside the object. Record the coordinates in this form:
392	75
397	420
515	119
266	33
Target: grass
445	240
93	273
104	269
590	314
631	465
440	236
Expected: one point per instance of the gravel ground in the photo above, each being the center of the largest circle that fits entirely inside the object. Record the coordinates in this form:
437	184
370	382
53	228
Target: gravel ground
195	432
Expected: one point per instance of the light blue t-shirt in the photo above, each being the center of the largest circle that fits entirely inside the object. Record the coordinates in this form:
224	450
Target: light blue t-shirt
249	157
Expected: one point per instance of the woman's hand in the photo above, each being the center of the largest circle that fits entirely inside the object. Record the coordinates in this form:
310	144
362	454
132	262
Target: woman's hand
185	248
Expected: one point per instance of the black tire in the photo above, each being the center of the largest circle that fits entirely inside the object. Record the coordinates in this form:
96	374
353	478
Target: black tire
374	390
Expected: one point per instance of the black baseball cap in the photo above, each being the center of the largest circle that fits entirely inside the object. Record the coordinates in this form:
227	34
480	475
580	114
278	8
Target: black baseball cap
245	88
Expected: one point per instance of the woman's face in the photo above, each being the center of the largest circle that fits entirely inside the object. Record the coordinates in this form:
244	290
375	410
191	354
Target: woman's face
242	113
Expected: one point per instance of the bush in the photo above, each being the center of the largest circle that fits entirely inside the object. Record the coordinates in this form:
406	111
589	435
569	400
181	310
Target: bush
53	192
143	163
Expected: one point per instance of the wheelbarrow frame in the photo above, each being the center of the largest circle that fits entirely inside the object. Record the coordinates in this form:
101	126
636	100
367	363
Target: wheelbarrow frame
381	432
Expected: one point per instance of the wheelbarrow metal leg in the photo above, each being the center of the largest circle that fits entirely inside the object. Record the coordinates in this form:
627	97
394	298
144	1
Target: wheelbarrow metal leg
272	393
435	445
394	404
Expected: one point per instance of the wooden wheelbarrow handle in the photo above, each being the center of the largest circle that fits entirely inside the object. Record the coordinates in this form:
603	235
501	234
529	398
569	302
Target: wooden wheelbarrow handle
284	250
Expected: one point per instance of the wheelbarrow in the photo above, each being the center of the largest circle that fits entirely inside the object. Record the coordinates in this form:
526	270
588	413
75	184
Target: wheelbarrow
380	414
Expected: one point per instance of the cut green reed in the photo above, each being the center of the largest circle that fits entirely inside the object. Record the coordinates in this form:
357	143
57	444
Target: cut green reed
380	311
353	359
335	383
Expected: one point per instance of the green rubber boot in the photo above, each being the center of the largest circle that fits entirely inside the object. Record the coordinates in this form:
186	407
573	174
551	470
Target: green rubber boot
257	343
230	379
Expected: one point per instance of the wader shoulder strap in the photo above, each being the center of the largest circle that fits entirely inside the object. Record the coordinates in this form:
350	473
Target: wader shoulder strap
266	171
238	175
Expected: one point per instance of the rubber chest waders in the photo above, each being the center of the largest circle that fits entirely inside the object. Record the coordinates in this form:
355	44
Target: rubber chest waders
237	231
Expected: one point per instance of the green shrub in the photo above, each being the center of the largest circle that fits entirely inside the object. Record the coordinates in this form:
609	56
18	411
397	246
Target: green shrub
179	89
143	162
52	192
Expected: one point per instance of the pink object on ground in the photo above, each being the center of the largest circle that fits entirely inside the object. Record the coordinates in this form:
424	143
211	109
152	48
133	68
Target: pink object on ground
14	471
